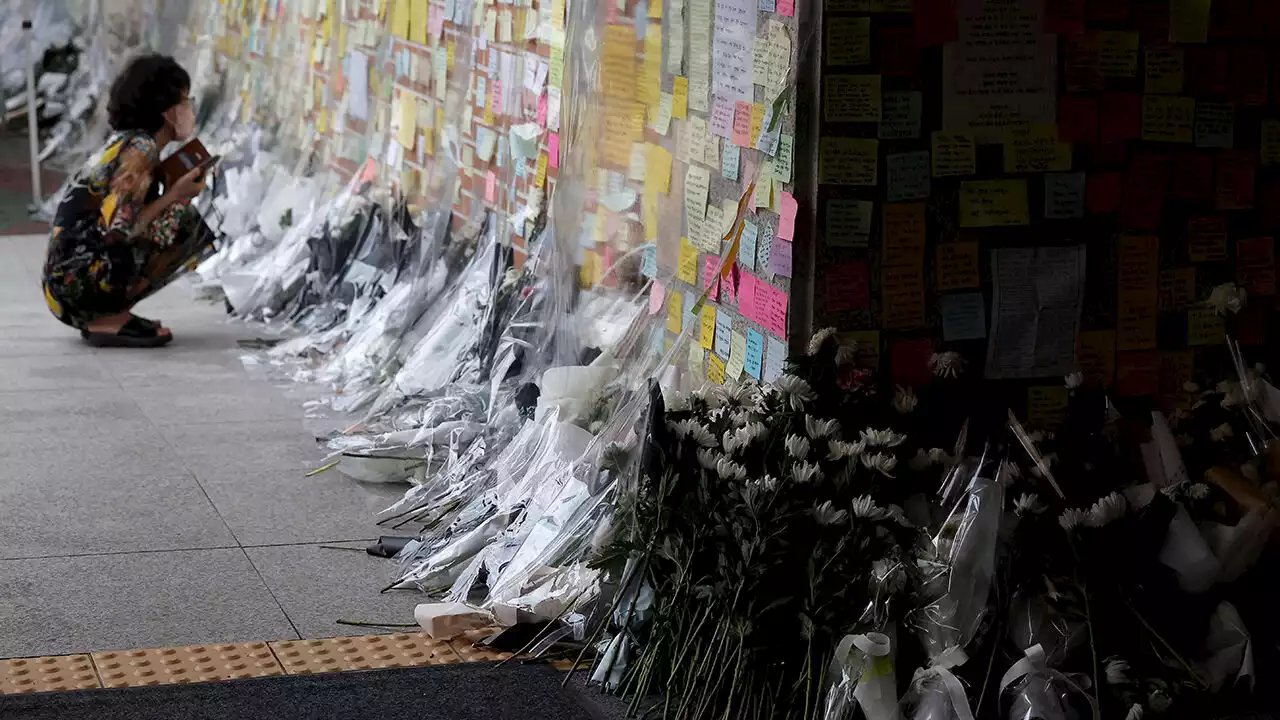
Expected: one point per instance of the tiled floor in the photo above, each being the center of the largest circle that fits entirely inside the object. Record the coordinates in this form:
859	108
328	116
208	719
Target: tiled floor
154	498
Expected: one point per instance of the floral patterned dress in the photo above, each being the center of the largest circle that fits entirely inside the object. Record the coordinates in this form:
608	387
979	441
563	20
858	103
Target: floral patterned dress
99	263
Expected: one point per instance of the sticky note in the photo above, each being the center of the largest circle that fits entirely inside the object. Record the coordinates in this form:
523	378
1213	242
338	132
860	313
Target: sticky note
491	187
680	97
964	317
710	281
957	266
1215	125
408	120
747	245
900	115
782	162
757	122
737	355
849	161
954	154
696	358
1205	327
697	184
1035	149
1270	142
724	331
764	247
715	369
1165	69
775	359
993	203
742	124
707	334
540	175
847	222
1207	238
1189	21
1168	119
687	269
1117	54
851	98
907	176
1046	406
754	361
1097	357
780	258
787	218
1064	196
656	294
848	41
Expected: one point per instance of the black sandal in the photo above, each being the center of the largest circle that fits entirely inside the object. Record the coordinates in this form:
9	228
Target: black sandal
153	323
135	333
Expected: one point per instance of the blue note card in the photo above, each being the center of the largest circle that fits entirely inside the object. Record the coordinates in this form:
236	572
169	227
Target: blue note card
724	333
649	263
747	245
964	317
774	358
754	362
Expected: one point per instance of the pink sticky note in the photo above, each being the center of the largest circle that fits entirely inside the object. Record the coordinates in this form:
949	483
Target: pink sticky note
656	294
435	21
780	257
542	110
608	267
787	8
787	221
730	284
553	150
709	279
491	187
495	100
742	124
771	309
722	117
747	295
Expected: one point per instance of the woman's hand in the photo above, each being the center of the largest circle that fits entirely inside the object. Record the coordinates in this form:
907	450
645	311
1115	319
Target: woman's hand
189	185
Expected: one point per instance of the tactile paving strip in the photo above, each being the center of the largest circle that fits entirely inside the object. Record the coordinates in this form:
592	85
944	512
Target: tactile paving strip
47	674
194	663
466	647
366	652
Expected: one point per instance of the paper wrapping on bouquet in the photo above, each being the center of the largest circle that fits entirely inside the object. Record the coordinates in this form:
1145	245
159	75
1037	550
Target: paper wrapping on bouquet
1228	650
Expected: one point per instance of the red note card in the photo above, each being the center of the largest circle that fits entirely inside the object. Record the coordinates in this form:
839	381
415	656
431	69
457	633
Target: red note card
786	7
742	124
553	150
1256	266
709	279
1077	119
1208	70
1108	154
1144	191
1120	116
909	362
1105	10
935	22
1250	74
848	286
491	187
1235	180
1105	191
898	54
542	110
1064	17
771	309
1192	177
747	284
1250	326
1138	373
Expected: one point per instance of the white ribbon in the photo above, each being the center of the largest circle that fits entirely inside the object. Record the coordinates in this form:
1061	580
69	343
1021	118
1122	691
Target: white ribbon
1034	661
941	668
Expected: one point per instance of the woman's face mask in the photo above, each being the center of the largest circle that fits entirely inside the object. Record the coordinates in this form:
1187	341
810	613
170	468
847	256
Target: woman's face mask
182	119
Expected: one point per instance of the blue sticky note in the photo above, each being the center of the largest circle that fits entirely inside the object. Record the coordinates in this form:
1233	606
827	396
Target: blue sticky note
724	333
767	6
754	362
641	18
729	161
964	317
649	262
747	245
690	317
774	359
588	237
657	342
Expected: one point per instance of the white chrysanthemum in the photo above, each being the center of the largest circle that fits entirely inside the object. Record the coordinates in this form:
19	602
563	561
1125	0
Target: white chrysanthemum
679	401
865	507
751	432
701	435
796	391
839	450
1135	712
904	400
882	438
1107	510
816	428
827	514
729	442
847	352
1027	503
947	364
1227	298
768	482
881	462
730	470
1198	491
707	458
680	429
920	461
815	342
1071	518
805	473
1073	380
1221	433
1116	670
938	456
797	447
1036	436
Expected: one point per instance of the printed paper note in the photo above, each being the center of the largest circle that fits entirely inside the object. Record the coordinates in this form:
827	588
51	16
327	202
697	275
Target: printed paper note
1168	119
852	98
908	176
1035	149
1064	196
900	115
849	161
847	222
954	154
957	267
1036	302
993	203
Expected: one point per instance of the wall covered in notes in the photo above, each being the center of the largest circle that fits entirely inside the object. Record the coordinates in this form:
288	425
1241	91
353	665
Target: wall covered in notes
1047	186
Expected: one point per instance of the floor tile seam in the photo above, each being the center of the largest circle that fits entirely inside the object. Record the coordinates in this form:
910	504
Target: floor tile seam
272	593
174	454
251	546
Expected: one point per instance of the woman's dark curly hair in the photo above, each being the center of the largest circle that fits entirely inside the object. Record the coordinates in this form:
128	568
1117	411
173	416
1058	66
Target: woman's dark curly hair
140	95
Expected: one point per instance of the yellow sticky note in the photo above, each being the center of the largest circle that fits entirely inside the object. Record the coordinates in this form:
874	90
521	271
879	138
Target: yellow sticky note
418	21
993	203
1035	149
400	19
1165	69
675	312
1189	21
715	369
1046	406
1118	54
680	97
954	154
408	121
757	121
852	98
707	336
849	161
696	353
655	10
322	122
687	269
586	273
1168	119
540	177
657	173
449	48
737	356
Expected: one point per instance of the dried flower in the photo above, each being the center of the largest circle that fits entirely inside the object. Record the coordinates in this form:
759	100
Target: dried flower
1117	670
882	462
805	473
796	391
729	470
820	428
864	507
904	400
882	438
1227	298
1073	380
1221	433
815	342
947	364
1028	503
797	447
1198	491
826	514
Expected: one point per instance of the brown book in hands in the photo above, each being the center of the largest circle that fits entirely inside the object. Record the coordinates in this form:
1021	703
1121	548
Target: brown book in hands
181	162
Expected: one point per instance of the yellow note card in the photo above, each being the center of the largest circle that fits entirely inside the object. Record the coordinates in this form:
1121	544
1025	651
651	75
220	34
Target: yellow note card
408	119
400	19
715	369
418	21
687	269
993	203
954	154
1165	68
680	97
707	334
540	176
675	312
1035	149
849	161
657	174
1271	142
1168	119
852	98
1046	406
737	356
757	121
